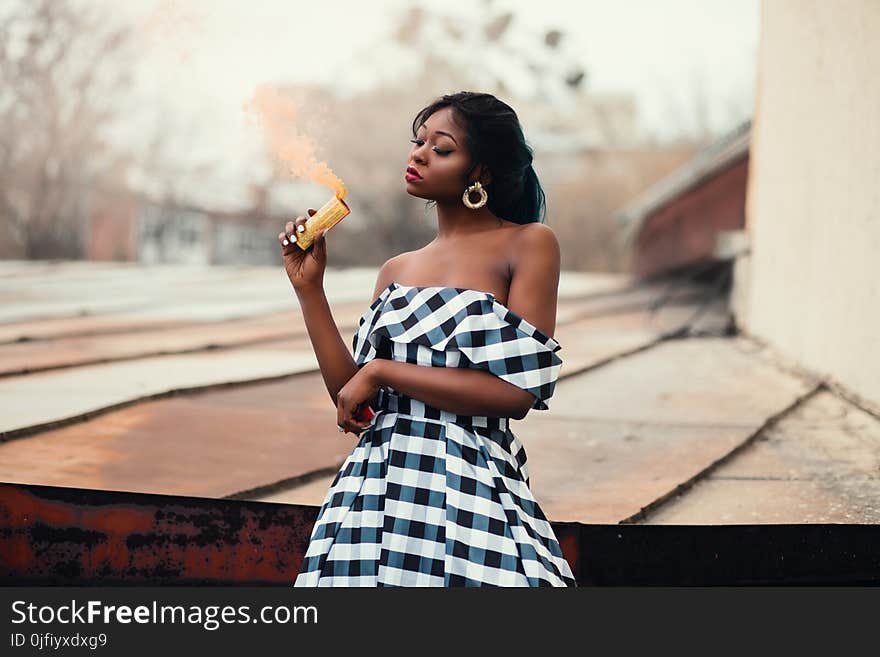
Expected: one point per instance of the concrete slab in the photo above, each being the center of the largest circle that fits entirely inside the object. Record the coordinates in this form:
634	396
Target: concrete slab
213	444
86	349
55	395
42	398
819	464
168	292
624	435
312	493
603	471
621	436
718	501
60	327
597	339
644	417
93	339
701	381
72	289
576	284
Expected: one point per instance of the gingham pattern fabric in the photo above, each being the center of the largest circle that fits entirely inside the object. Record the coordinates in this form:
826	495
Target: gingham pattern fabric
428	497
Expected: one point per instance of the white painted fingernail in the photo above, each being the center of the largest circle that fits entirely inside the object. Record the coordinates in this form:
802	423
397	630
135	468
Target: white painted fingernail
285	242
300	229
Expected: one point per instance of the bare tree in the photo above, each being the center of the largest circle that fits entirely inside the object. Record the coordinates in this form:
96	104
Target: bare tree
62	65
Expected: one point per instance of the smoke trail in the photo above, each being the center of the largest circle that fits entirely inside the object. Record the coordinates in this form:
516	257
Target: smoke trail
277	114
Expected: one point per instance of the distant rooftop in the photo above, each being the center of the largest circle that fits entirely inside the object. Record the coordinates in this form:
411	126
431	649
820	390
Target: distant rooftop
716	157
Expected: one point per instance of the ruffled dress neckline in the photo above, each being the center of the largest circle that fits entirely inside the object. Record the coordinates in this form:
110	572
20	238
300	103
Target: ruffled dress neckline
534	331
460	327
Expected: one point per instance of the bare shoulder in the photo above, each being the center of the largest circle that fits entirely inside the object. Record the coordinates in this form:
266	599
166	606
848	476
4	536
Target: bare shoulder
536	243
535	273
389	270
536	233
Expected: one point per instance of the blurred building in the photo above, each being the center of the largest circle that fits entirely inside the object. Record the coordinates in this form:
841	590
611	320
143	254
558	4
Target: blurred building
690	216
789	200
125	226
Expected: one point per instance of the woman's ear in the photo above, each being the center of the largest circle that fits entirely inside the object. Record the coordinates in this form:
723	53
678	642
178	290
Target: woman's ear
483	175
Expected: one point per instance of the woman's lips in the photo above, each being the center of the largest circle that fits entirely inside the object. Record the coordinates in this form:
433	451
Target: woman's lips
412	175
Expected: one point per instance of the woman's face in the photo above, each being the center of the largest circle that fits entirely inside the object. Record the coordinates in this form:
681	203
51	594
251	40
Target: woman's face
439	157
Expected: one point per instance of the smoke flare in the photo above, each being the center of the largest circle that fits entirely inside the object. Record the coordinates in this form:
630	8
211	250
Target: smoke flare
277	115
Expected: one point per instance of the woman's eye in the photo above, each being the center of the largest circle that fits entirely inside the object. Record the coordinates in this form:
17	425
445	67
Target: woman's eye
419	142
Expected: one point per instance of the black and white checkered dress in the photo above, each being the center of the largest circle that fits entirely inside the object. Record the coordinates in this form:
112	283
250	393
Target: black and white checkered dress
429	497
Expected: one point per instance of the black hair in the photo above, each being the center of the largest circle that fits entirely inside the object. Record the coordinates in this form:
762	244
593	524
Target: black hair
495	139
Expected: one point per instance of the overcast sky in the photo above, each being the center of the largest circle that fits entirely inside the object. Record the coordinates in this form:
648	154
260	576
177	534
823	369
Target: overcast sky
202	59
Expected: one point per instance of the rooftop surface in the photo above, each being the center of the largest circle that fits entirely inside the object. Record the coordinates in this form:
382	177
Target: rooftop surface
202	382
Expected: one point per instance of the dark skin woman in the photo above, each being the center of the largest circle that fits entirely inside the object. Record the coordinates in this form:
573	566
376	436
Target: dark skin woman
519	263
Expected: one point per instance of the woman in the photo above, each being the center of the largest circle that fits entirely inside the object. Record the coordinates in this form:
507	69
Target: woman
456	342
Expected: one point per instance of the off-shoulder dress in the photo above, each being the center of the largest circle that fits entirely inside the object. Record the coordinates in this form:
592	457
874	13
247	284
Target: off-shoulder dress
428	497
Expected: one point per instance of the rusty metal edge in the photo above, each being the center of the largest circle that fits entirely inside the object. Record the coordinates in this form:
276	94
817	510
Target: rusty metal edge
82	537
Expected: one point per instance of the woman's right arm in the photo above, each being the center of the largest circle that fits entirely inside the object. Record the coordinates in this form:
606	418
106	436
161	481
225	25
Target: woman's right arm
306	273
333	354
305	269
334	358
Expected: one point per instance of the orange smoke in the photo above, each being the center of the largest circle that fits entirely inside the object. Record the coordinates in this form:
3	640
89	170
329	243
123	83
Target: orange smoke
277	115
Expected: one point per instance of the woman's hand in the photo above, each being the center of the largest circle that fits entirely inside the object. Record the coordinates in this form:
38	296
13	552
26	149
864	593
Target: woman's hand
355	395
305	269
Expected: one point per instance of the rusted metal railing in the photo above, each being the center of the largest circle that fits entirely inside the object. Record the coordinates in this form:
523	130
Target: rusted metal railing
72	536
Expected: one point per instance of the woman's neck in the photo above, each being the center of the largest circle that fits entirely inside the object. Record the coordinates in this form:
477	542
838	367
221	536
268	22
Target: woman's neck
455	220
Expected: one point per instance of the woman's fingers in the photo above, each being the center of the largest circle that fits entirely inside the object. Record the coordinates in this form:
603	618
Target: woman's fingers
292	229
356	426
300	224
291	226
287	237
353	428
345	419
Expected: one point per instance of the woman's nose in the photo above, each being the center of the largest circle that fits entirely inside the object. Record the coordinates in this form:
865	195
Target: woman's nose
419	153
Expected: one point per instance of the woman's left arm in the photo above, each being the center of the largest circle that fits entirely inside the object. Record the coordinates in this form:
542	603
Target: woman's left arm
535	266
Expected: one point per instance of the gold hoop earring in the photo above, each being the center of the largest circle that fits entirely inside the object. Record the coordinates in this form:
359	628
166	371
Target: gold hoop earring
466	197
